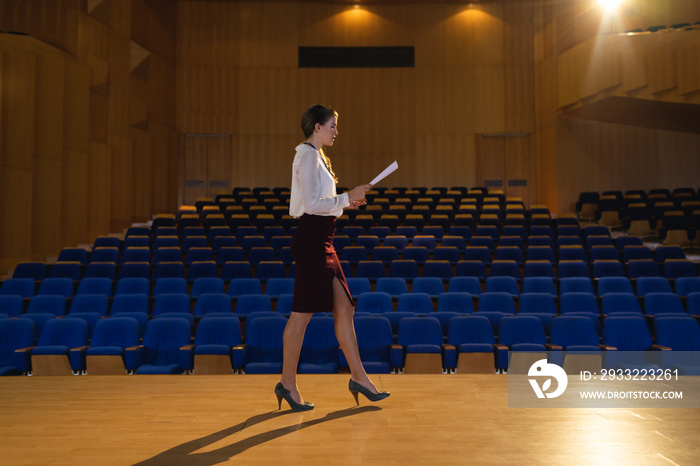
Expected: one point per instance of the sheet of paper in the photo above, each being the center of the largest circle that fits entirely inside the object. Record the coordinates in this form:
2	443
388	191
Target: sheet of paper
387	171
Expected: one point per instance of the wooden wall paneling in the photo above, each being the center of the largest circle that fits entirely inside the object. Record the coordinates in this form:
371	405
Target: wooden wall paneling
678	161
429	46
50	22
595	156
545	184
48	158
161	88
399	109
574	165
119	60
281	156
633	61
519	166
661	65
430	98
568	79
464	161
99	97
489	35
688	62
138	103
598	65
546	96
489	98
46	207
16	214
258	160
141	175
74	196
163	30
268	34
444	160
519	111
50	106
280	103
94	39
140	23
99	73
73	10
638	157
518	32
76	122
208	99
18	107
99	117
358	122
588	70
164	162
253	170
241	161
668	13
120	18
590	21
218	165
99	9
460	36
207	34
99	189
121	181
595	138
343	25
196	159
490	160
428	149
611	73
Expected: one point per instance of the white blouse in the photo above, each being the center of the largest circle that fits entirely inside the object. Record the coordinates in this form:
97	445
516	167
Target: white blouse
313	188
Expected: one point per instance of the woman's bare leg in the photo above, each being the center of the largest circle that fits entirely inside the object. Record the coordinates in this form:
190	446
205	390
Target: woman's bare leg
293	338
345	333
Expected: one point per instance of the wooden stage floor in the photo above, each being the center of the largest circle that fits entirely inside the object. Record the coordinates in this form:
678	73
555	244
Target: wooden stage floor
429	419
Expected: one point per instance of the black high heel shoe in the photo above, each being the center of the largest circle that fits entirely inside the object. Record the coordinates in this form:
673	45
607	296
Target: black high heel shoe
356	388
282	392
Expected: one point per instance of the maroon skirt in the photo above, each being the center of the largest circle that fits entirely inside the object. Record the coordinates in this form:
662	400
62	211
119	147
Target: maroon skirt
317	265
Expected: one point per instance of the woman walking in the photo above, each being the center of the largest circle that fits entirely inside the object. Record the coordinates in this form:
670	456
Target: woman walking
319	284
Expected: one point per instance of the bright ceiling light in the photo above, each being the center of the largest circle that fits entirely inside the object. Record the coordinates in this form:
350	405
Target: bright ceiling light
609	5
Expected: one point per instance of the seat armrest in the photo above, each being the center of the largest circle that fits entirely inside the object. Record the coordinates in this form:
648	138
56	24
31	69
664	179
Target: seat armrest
76	356
22	359
133	357
501	355
449	356
607	348
397	355
187	357
80	348
551	347
28	349
240	355
660	348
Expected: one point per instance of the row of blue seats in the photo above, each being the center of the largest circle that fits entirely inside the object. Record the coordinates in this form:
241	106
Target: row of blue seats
212	278
25	288
434	285
545	306
638	259
167	346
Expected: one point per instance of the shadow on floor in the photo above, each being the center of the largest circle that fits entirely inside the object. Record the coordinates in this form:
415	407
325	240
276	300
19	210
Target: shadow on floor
182	455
